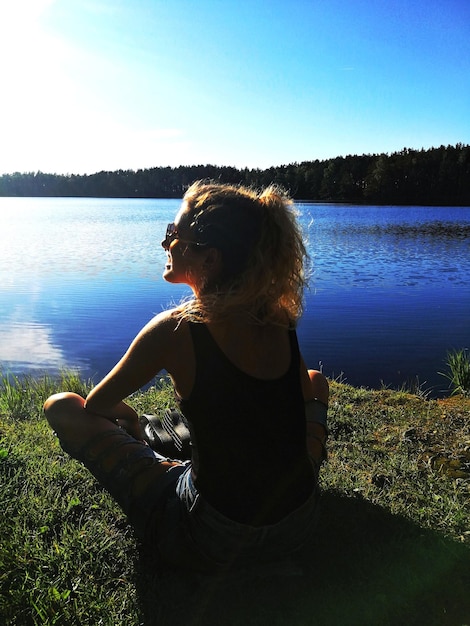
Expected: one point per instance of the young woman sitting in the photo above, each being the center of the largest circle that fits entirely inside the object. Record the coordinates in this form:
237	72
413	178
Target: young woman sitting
256	415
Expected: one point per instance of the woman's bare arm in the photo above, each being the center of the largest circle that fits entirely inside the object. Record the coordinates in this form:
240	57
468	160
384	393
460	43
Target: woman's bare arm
145	358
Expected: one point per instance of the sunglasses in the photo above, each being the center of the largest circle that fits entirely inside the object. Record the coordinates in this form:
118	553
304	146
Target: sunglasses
172	234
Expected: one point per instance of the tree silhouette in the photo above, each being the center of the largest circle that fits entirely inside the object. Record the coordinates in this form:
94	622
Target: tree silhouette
438	176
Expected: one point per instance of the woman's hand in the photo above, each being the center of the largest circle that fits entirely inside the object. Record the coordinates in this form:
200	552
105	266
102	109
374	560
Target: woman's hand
122	415
128	419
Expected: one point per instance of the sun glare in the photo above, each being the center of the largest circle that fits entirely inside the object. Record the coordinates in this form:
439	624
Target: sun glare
24	9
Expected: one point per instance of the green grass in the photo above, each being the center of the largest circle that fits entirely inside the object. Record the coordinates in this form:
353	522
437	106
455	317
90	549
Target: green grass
458	371
392	544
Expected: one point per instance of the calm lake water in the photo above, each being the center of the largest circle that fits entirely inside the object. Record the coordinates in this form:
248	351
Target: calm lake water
390	290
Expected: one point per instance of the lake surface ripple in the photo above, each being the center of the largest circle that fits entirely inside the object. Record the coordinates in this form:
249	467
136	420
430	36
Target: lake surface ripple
389	295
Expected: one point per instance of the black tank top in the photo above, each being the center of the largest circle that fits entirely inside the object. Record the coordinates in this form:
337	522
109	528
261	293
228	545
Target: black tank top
250	458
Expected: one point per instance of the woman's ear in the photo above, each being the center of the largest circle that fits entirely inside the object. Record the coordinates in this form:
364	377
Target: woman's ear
212	262
206	269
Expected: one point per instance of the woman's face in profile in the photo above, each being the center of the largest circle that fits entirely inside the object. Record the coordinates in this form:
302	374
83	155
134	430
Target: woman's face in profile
184	261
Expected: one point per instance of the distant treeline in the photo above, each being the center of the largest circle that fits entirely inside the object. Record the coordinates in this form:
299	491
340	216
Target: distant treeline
438	176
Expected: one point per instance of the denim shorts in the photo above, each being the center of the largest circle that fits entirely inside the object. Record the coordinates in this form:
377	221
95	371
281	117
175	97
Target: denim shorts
195	535
171	516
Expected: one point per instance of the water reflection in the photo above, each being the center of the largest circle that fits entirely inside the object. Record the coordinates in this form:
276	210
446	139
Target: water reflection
28	345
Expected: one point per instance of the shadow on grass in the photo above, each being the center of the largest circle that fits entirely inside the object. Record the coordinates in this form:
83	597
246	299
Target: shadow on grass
364	567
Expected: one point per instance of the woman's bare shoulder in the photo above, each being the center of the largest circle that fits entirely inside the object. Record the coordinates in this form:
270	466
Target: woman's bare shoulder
169	335
166	321
158	335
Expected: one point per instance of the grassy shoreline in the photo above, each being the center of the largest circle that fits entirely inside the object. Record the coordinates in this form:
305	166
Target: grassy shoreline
393	541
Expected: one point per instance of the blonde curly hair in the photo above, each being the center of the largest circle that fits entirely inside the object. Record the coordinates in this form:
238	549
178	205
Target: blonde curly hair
263	253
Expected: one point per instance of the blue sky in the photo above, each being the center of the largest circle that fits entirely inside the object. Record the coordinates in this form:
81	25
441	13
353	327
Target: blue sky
91	85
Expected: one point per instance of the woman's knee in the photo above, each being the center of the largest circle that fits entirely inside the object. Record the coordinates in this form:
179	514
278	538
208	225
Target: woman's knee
62	407
319	385
74	427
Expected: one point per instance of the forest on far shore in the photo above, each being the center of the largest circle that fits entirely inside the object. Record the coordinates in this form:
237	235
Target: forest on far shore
437	176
